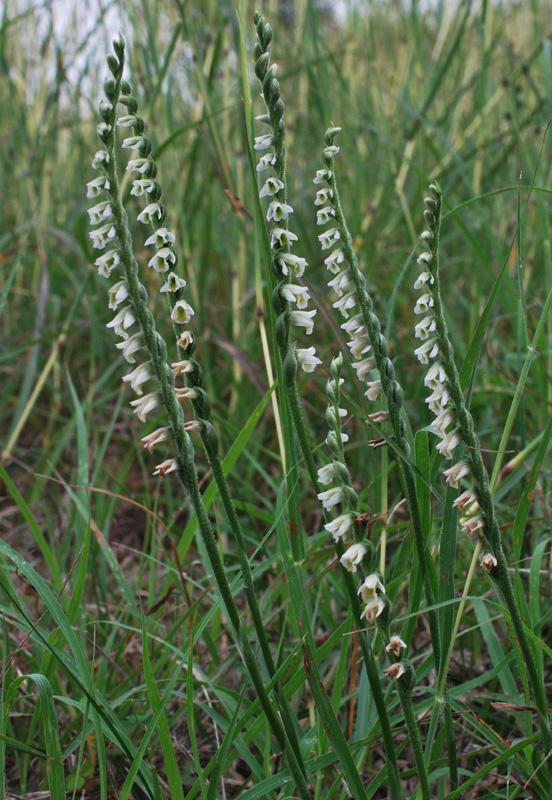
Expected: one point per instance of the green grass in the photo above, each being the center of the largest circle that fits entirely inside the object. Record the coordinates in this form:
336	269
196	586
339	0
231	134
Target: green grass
120	673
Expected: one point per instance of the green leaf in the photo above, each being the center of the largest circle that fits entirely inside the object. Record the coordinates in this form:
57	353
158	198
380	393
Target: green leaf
171	765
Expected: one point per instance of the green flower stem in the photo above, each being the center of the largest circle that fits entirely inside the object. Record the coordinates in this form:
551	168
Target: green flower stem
500	573
393	395
371	665
287	373
450	733
280	306
184	448
210	441
404	689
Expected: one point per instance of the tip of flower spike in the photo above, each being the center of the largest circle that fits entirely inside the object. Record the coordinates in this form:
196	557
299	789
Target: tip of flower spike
330	135
119	46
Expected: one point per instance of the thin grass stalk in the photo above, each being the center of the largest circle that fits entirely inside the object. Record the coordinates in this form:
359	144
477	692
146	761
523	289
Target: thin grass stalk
185	466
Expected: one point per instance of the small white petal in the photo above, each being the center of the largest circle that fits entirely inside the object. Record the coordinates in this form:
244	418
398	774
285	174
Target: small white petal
424	328
162	260
306	358
141	165
278	211
173	283
153	439
370	587
117	294
470	526
436	375
331	151
170	465
324	215
127	121
331	497
425	302
272	186
138	376
374	390
131	346
322	175
341	283
465	501
160	237
282	237
142	186
326	474
455	474
288	261
122	320
266	161
323	195
329	238
364	368
449	444
423	279
134	142
182	312
97	186
101	236
334	259
429	349
339	526
263	142
353	556
345	303
107	262
150	212
144	405
373	609
294	293
101	158
303	319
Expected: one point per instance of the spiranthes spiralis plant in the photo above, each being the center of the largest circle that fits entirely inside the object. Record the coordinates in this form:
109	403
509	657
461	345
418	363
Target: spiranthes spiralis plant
454	424
362	554
283	265
369	348
370	353
166	397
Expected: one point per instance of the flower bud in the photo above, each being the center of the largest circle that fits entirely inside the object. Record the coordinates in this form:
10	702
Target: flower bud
113	64
261	65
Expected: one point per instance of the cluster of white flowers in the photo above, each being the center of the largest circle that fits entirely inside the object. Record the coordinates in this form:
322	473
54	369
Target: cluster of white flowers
371	590
163	261
289	266
337	473
342	283
436	380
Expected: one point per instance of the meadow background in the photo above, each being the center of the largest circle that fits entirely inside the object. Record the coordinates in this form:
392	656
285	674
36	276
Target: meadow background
110	584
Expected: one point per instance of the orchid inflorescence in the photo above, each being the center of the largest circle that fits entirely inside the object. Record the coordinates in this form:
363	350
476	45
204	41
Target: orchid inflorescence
339	265
163	261
368	345
362	552
436	351
289	299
